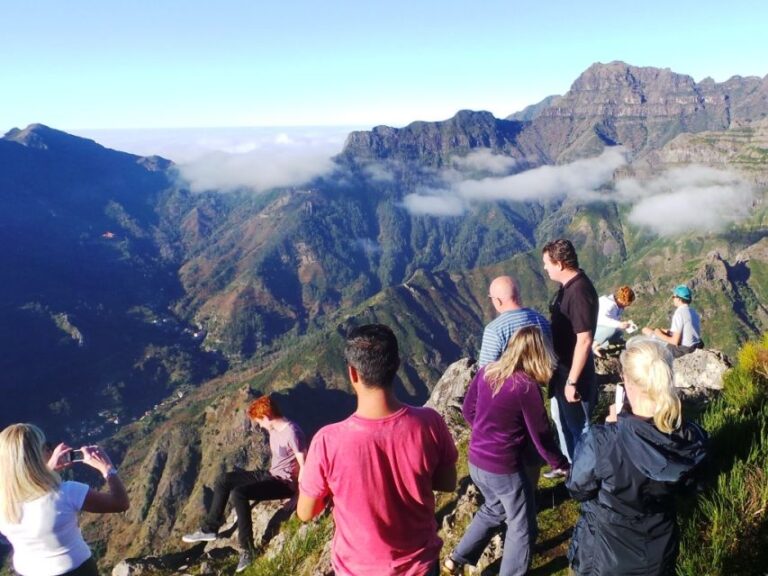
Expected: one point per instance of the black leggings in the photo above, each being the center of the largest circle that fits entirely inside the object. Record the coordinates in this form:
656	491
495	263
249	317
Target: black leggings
246	487
87	568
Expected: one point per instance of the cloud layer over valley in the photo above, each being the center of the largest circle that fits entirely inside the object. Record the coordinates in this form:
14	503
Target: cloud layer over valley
692	198
226	159
680	200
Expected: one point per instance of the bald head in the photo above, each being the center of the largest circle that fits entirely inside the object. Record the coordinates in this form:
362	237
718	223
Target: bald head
504	293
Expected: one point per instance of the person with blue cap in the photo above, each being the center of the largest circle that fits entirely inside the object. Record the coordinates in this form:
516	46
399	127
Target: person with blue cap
684	335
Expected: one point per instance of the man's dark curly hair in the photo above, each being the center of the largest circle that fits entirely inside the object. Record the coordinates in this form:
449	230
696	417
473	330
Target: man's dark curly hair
561	251
372	350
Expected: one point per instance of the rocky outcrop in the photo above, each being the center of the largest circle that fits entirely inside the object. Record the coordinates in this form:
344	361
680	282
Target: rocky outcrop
448	394
433	143
640	108
742	148
267	519
701	371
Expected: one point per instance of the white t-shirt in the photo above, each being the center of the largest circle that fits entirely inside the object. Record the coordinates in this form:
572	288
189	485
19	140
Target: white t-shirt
47	541
686	322
609	313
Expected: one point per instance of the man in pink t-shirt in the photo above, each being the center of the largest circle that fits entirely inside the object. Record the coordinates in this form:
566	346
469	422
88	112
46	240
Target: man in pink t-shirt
380	467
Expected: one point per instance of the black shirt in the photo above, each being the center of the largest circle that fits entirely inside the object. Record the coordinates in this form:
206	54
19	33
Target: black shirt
574	309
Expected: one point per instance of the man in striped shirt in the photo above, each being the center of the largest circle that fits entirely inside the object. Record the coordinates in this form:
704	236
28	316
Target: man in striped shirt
505	297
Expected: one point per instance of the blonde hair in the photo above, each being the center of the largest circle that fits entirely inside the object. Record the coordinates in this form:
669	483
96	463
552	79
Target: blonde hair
24	473
527	351
647	364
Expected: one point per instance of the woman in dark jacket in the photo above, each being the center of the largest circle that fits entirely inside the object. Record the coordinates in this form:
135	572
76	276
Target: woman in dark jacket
628	472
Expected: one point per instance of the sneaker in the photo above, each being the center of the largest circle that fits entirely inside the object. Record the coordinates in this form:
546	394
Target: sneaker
555	473
245	560
451	567
598	352
199	536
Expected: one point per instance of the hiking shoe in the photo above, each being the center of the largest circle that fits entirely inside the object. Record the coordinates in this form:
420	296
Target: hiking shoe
555	473
245	560
451	568
199	536
598	352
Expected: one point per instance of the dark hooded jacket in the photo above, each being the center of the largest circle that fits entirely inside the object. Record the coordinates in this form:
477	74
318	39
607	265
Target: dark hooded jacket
627	475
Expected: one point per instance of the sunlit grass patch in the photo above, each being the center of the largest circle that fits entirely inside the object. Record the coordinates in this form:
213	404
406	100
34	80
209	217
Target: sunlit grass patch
303	546
726	529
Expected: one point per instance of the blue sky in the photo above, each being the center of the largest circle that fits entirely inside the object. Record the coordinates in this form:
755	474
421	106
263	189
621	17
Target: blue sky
85	64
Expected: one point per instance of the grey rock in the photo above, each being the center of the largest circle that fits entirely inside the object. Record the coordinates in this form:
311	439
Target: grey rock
266	517
701	369
447	396
138	567
452	385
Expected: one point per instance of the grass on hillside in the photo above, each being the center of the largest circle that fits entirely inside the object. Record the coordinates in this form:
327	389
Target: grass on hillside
725	529
301	551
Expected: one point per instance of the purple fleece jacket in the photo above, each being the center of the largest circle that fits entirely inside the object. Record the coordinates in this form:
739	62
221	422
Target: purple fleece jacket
503	424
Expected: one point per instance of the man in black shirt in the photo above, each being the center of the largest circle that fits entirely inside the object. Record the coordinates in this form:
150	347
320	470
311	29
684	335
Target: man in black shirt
574	319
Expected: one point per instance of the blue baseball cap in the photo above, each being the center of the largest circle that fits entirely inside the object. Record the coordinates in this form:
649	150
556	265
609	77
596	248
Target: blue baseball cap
683	292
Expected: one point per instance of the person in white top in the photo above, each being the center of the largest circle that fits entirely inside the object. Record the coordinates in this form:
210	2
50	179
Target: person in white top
38	512
609	320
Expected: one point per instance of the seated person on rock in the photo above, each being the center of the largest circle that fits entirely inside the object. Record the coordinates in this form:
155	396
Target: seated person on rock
684	335
288	447
609	321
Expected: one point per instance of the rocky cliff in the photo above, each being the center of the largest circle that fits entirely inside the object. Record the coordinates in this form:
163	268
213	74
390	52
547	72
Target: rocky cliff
698	376
434	143
640	108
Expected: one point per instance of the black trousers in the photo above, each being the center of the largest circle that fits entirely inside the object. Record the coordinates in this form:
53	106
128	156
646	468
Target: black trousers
245	486
87	568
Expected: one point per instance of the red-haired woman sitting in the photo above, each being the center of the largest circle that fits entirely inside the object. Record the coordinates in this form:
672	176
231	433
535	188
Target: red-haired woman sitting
288	448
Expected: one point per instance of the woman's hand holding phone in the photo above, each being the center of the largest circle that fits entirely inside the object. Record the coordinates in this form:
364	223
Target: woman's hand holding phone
95	457
59	459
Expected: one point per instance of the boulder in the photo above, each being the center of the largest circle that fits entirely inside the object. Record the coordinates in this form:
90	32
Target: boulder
138	566
701	369
448	395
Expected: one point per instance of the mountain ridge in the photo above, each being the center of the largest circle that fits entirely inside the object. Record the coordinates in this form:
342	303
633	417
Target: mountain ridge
112	250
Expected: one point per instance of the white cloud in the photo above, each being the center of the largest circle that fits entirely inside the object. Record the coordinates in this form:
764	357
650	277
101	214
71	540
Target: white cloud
579	179
257	170
233	158
484	160
434	204
693	198
367	246
378	172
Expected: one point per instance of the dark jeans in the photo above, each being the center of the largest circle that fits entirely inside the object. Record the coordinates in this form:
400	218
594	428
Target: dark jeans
87	568
574	416
678	351
246	486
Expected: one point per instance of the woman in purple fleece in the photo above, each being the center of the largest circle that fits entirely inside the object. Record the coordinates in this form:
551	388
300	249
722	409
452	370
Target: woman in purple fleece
505	409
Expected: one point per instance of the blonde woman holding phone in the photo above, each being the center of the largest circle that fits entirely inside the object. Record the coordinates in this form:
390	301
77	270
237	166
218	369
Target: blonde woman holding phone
628	473
39	511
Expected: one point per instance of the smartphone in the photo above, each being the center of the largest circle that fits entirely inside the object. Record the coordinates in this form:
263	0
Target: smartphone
75	456
619	398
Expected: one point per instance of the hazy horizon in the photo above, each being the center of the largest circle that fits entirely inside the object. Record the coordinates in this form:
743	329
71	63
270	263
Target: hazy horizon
178	64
